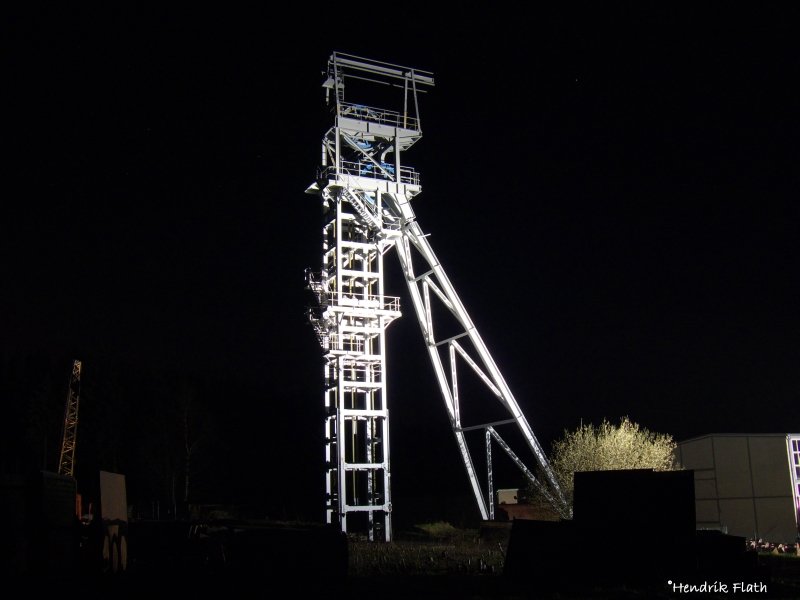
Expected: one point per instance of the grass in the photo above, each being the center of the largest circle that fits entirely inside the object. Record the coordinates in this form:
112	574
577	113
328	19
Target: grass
430	549
440	529
441	560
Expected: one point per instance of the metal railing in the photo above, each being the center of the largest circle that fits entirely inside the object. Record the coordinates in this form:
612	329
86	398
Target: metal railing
373	301
349	343
325	297
368	169
377	115
365	372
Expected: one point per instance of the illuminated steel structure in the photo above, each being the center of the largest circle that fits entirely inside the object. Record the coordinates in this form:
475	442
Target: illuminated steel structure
69	438
793	446
366	194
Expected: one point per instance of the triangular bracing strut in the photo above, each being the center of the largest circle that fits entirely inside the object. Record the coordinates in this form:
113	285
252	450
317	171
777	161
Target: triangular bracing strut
431	276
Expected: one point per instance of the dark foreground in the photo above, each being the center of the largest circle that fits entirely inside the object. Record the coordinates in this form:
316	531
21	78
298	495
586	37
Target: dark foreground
417	585
261	561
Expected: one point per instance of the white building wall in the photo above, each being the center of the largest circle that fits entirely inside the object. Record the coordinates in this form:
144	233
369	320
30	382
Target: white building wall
743	484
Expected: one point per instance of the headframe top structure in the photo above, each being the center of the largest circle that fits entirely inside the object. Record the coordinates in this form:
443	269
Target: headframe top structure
366	194
342	67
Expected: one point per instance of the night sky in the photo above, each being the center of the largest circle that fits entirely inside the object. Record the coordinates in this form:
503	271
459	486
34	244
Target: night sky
613	193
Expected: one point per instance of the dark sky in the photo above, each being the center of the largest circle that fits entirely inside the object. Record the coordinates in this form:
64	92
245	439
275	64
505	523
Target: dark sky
613	193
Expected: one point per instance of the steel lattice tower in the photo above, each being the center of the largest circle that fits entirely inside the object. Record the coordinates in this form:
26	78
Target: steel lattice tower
69	437
366	191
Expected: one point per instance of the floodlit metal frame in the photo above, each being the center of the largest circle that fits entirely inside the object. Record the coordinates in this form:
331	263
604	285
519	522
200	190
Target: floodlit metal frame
366	194
69	437
793	448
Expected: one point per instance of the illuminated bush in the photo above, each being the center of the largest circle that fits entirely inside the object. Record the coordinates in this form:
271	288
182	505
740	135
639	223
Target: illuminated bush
609	447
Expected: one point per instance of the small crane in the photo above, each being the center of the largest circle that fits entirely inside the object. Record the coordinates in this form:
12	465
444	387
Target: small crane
66	462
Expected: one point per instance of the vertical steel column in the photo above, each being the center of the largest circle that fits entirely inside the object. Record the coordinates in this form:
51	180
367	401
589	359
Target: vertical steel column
353	312
489	482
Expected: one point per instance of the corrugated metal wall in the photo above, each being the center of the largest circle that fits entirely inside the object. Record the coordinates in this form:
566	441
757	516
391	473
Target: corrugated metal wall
743	484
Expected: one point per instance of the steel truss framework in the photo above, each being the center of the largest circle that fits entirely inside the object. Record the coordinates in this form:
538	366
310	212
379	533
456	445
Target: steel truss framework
69	438
366	195
793	447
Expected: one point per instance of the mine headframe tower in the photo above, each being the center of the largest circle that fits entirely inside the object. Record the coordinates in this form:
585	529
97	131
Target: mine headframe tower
366	194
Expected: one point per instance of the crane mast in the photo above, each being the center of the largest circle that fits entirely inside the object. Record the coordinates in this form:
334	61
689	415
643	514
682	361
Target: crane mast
66	461
366	192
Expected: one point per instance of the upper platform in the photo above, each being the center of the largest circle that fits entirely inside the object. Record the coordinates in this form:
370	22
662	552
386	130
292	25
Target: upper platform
359	85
